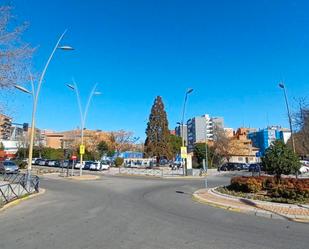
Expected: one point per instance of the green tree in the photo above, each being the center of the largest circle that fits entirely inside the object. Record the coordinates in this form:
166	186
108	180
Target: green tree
1	146
118	161
175	144
280	160
102	148
158	135
199	154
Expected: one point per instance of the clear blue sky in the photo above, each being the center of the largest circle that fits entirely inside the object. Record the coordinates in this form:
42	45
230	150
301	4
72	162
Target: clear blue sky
233	53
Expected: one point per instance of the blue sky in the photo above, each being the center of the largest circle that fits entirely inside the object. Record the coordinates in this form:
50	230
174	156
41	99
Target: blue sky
233	53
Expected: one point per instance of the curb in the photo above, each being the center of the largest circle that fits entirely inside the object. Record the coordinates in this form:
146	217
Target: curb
184	177
201	200
17	201
255	211
231	197
141	176
87	178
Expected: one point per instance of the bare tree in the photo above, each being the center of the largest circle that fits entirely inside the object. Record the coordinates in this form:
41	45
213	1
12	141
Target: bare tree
15	54
122	140
220	146
301	123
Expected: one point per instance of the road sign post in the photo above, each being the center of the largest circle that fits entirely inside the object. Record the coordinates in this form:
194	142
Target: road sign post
82	149
183	154
73	164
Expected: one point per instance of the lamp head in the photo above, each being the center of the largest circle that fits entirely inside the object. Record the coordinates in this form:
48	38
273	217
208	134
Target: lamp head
281	85
66	47
71	86
190	90
20	88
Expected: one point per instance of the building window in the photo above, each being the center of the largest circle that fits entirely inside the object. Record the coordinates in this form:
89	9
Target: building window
240	159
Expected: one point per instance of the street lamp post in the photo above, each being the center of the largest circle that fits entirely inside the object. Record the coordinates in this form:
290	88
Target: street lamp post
282	86
83	115
35	95
206	148
184	164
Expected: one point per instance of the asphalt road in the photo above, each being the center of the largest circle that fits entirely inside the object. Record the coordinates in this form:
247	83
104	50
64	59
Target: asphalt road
119	212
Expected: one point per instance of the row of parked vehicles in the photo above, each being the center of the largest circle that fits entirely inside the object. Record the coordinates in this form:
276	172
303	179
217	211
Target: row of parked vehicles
254	167
87	165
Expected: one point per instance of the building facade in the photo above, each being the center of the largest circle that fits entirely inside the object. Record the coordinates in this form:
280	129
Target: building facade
182	132
241	149
202	128
262	139
5	127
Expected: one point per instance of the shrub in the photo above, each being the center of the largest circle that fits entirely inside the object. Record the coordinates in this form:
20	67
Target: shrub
247	184
291	188
118	161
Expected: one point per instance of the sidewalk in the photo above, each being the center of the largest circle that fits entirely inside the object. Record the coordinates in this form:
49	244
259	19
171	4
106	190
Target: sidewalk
258	208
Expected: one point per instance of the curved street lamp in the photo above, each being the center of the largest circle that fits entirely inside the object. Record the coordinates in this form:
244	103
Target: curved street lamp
189	90
282	86
35	94
83	115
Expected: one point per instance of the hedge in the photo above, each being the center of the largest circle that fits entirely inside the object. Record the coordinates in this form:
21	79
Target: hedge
288	188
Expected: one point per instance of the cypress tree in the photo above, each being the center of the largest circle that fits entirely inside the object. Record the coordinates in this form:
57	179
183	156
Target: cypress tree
157	141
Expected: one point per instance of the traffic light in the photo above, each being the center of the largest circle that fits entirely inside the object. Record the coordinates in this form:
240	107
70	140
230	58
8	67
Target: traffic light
25	126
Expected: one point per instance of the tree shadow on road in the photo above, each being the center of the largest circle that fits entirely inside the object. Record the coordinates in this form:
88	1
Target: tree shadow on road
253	204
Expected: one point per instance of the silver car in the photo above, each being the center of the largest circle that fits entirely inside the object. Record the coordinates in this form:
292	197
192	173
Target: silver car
8	167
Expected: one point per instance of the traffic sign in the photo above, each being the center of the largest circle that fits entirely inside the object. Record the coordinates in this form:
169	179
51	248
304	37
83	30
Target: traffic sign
82	149
73	157
184	152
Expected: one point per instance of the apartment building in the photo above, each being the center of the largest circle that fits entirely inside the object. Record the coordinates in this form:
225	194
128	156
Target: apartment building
201	128
182	132
5	127
262	139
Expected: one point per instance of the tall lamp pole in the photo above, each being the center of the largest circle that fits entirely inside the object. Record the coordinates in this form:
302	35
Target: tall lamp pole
83	115
282	86
206	148
35	94
190	90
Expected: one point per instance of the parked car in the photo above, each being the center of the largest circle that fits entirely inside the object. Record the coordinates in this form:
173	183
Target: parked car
255	167
304	169
88	164
8	167
78	165
37	161
42	162
231	166
105	165
33	160
245	166
53	163
176	165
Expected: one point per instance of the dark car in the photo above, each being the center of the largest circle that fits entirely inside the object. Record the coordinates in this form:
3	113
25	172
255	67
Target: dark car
42	162
8	167
37	161
255	167
231	167
88	164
